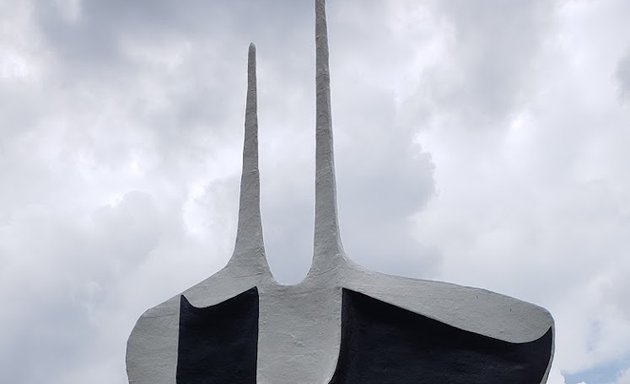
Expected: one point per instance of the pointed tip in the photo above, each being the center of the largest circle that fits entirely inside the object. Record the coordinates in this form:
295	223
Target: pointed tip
251	60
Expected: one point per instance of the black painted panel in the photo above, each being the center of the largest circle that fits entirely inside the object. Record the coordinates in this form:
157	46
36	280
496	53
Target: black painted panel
385	344
218	344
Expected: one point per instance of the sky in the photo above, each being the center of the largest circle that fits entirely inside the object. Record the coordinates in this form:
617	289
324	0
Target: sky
480	142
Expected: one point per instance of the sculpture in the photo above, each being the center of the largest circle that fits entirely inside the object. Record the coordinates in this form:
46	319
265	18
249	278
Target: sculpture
341	324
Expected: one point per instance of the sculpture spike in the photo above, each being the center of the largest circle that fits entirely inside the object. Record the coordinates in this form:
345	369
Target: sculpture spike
328	249
249	250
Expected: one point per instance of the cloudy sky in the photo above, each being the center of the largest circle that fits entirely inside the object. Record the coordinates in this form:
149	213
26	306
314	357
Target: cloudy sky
482	142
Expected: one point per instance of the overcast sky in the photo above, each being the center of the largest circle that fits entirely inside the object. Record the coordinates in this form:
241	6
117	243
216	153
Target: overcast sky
481	142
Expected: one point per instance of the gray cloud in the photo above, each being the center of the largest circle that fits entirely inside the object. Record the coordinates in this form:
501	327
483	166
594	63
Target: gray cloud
491	50
623	76
485	140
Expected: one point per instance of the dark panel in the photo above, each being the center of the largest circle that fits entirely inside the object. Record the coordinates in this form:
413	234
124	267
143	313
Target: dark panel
218	344
385	344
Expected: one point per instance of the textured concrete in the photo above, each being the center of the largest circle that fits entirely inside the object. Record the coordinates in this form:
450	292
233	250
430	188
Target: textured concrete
300	326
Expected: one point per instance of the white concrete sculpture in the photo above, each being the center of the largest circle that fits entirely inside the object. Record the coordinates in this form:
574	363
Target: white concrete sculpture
341	324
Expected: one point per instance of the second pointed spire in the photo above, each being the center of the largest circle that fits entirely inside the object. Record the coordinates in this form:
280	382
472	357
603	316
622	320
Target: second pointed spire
328	249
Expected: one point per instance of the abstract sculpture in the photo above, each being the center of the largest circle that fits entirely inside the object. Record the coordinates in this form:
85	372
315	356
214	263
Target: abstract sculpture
341	324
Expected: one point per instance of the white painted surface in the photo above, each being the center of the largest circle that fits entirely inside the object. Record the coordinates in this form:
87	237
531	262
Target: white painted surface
300	325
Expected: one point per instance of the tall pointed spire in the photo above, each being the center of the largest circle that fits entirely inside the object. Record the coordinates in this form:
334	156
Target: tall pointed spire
328	248
249	251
